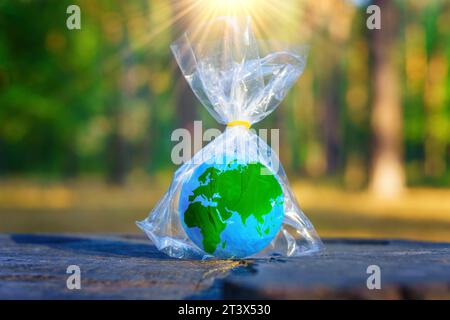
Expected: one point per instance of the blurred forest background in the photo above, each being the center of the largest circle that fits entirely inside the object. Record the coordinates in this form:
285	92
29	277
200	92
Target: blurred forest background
86	115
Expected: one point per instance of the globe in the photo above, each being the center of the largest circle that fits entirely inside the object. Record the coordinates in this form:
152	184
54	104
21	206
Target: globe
231	209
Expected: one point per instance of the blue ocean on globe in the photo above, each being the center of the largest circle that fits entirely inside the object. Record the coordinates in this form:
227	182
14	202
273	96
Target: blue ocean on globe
232	209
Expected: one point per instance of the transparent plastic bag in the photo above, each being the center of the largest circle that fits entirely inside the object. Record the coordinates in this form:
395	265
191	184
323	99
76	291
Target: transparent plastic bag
223	66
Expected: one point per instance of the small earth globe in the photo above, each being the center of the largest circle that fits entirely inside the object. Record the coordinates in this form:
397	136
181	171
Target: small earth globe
232	209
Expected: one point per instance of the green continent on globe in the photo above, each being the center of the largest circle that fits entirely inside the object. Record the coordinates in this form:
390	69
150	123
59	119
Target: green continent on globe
242	189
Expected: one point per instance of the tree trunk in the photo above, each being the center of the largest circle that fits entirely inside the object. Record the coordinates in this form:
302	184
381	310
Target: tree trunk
331	120
118	145
185	98
387	176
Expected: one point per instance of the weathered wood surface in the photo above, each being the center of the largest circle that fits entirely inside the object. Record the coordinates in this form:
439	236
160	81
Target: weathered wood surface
129	267
409	270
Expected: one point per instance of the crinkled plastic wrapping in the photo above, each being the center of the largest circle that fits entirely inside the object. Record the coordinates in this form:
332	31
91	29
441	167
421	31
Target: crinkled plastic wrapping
232	77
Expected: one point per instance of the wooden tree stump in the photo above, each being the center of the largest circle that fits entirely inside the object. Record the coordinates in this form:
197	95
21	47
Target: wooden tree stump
130	267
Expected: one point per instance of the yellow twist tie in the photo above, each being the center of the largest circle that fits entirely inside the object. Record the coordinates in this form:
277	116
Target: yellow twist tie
243	123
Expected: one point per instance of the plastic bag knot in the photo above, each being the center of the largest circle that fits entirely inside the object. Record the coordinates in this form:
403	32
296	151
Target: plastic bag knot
243	123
